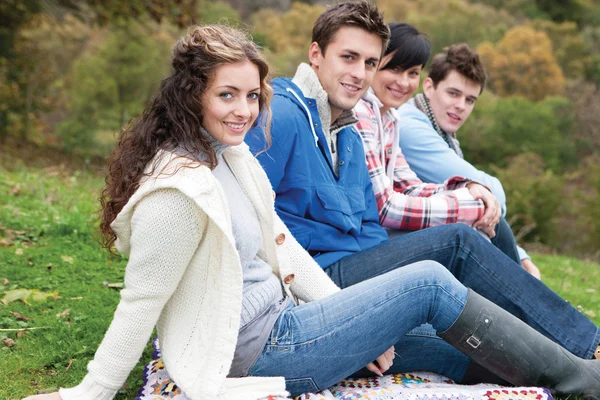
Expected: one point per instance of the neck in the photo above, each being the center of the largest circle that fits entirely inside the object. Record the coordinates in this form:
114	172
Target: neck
214	143
384	109
335	113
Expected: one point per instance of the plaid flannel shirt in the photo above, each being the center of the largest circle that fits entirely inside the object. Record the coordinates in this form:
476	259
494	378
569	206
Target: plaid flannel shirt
407	203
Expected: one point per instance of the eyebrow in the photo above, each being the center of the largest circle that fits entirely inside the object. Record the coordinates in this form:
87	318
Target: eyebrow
235	88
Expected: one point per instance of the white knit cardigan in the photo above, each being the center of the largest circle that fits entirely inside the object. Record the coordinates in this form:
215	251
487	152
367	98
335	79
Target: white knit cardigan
199	321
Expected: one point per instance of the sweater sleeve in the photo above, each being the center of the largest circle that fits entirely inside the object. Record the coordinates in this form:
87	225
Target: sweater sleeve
166	229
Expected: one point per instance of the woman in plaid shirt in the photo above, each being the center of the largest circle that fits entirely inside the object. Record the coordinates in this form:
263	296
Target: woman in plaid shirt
406	203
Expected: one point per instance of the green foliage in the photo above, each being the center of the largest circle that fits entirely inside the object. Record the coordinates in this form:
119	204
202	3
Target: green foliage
218	12
524	8
449	22
287	35
115	82
580	11
571	51
532	200
587	207
503	128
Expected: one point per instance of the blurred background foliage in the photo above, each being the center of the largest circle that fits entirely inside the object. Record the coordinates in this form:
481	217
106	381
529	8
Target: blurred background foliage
73	72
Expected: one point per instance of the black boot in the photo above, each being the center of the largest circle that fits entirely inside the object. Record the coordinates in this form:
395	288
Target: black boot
477	374
514	351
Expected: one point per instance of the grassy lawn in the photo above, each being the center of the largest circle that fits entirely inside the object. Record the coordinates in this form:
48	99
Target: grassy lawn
48	244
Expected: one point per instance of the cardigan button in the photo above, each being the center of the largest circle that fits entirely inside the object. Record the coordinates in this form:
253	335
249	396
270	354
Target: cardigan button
289	279
280	239
273	193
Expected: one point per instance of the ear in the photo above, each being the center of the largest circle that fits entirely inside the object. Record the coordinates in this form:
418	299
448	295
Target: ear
314	54
428	86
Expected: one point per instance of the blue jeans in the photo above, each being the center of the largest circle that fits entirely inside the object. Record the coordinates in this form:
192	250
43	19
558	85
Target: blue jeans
505	241
317	344
484	268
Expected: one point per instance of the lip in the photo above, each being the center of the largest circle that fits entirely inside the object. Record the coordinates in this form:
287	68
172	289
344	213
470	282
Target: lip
351	89
454	118
397	93
236	127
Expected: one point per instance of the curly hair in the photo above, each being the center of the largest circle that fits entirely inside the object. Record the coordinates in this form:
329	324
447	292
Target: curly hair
459	58
174	118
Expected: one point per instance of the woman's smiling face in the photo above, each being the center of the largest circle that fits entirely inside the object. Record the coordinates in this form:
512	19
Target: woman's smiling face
231	103
394	86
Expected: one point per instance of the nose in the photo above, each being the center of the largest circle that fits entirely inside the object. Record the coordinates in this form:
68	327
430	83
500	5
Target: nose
402	79
359	71
460	103
242	111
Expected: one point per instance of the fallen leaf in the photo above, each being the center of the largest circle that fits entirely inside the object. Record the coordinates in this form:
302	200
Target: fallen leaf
592	290
69	365
64	313
5	281
19	251
5	243
4	302
590	313
115	285
20	316
21	333
24	295
77	298
67	259
8	342
15	190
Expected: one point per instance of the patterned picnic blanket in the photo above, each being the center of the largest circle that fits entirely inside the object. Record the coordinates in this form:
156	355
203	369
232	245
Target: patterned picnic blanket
412	386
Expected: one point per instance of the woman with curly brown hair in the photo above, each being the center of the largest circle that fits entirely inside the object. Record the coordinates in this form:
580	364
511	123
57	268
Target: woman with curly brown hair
213	267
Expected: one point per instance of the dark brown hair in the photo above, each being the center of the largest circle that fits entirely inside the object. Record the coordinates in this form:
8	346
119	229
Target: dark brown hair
459	58
361	14
174	118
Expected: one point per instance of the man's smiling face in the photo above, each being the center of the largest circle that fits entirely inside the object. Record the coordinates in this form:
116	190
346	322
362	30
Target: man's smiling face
452	101
348	66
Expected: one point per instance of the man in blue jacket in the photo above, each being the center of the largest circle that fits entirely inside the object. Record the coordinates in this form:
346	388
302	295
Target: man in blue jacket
316	165
429	123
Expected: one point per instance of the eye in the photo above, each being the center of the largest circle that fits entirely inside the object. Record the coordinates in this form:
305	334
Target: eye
452	94
226	95
347	57
371	64
470	100
415	73
254	96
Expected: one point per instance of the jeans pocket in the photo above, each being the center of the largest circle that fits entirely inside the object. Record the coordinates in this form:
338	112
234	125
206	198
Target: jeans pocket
297	386
281	335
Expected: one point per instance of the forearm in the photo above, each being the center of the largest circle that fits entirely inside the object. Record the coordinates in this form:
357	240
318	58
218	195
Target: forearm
415	213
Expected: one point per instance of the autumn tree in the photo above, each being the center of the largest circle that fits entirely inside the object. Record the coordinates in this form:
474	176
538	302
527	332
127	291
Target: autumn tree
448	22
571	51
286	36
522	63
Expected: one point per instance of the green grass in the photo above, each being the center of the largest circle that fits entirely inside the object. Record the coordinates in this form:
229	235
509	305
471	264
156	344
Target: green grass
47	224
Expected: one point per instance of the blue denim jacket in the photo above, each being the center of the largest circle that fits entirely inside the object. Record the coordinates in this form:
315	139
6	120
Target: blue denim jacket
331	216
